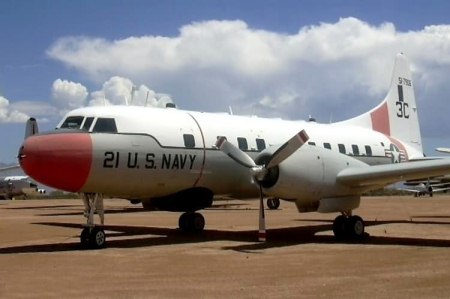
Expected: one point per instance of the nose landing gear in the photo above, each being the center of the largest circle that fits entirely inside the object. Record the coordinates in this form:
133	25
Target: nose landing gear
93	236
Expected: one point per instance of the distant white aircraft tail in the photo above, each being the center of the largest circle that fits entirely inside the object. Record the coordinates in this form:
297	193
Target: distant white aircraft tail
397	115
31	128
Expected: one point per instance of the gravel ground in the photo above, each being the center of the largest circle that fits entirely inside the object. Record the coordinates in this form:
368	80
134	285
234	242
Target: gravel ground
406	254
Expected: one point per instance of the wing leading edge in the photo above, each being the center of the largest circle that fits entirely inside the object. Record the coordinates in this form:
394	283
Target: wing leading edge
391	173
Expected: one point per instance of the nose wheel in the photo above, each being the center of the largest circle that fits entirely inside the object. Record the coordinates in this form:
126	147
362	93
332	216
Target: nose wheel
93	236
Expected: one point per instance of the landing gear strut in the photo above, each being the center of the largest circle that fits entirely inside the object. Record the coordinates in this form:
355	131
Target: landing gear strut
191	222
93	236
348	227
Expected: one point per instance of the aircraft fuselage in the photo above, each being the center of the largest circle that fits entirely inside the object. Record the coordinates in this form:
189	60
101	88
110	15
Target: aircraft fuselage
141	153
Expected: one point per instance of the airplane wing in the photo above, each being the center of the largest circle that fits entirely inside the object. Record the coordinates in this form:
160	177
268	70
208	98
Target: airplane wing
10	170
441	189
407	190
392	173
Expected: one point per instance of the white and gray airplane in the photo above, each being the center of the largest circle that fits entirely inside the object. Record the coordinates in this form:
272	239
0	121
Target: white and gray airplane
177	160
426	187
14	186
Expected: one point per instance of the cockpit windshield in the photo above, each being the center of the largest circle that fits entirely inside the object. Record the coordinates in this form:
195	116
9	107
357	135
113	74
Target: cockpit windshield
105	125
72	122
100	125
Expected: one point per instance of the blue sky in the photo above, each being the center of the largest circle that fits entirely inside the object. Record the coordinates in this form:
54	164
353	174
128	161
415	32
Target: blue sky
46	41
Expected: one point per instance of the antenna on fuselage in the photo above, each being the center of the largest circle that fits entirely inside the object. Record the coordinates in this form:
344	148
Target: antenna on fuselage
146	98
133	89
230	110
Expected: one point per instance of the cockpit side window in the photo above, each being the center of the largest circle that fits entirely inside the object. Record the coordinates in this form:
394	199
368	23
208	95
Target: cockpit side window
87	123
72	122
105	125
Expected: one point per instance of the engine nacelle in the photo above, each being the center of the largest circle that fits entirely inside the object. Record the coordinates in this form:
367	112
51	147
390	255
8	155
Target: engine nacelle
308	177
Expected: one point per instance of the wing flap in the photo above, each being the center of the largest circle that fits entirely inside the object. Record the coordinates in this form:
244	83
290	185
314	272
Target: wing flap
392	173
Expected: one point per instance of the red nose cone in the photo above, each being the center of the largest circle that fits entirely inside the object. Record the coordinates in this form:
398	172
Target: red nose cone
60	160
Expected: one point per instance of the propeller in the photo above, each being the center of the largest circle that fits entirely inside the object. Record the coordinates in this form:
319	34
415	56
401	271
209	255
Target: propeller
31	128
259	172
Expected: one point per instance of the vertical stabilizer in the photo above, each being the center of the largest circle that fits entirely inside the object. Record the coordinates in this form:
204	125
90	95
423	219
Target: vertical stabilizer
397	115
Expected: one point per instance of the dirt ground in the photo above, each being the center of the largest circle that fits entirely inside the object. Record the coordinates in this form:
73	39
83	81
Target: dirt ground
406	255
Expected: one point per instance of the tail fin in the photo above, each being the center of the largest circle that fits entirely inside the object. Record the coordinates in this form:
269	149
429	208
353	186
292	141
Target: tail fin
31	128
397	115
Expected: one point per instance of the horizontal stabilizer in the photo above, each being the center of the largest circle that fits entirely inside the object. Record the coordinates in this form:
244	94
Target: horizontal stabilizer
443	150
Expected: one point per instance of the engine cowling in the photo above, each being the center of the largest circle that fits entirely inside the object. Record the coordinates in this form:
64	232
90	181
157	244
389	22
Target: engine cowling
308	177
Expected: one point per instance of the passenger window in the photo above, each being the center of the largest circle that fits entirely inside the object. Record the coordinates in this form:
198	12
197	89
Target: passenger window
312	143
72	122
355	149
242	143
368	150
260	144
189	140
87	123
341	148
105	125
327	145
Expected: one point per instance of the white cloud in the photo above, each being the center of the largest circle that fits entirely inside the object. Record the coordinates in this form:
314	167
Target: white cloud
68	95
339	69
122	91
9	114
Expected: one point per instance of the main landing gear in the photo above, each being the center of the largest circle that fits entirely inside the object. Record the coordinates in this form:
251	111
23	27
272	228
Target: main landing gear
348	227
191	222
93	236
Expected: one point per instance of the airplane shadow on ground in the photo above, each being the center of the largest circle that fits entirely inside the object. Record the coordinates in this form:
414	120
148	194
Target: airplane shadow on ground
78	210
129	237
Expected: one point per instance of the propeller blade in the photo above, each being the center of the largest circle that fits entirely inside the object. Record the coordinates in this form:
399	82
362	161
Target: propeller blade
288	148
31	128
235	153
262	217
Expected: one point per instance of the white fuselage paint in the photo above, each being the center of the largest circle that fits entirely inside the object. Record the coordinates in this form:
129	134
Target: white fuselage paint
148	157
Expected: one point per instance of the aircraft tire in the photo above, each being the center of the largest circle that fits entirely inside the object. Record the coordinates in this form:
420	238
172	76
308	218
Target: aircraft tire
94	239
355	227
97	238
198	222
273	203
191	222
84	237
183	222
339	227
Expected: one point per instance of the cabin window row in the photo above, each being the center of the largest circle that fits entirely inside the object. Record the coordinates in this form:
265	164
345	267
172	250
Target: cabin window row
342	149
189	142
